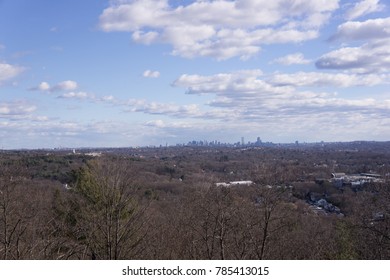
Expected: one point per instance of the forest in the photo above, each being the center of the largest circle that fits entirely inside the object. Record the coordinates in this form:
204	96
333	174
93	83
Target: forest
266	202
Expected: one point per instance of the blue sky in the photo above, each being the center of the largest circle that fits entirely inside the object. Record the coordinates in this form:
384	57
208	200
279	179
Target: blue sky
101	73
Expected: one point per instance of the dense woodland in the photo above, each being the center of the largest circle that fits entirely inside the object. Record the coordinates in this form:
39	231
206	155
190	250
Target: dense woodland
163	203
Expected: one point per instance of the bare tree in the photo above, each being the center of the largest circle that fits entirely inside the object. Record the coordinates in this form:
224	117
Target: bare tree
15	214
271	217
370	222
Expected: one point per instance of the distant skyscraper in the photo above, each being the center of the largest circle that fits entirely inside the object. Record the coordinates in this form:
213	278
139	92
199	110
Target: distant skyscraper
242	141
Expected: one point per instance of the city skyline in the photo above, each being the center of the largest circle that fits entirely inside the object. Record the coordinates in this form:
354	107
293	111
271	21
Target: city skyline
119	73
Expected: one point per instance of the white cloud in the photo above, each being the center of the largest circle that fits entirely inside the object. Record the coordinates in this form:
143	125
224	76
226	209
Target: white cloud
77	95
168	125
151	74
133	15
108	98
370	57
246	82
156	123
65	85
238	42
8	71
255	98
40	118
43	86
296	58
378	28
62	86
364	7
16	109
155	108
252	97
146	38
318	79
220	29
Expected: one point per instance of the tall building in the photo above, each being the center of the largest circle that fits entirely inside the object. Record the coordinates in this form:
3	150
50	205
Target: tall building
242	141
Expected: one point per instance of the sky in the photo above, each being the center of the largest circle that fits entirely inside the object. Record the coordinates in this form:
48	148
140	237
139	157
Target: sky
120	73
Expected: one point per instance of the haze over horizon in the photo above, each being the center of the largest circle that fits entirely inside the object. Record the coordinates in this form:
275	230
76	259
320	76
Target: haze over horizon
118	73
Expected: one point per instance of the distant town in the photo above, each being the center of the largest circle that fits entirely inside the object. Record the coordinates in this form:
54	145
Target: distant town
215	143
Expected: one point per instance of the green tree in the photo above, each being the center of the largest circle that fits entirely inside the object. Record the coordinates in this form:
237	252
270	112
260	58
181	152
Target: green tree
104	214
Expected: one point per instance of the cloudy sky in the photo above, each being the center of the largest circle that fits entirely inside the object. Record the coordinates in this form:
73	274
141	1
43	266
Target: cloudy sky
149	72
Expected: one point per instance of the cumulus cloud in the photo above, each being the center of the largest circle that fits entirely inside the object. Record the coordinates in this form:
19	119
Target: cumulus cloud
8	71
44	86
156	123
107	98
155	108
136	14
238	43
378	28
40	118
65	85
244	84
256	97
77	95
198	84
151	74
362	8
62	86
370	57
145	38
169	124
318	79
252	96
295	58
16	109
220	29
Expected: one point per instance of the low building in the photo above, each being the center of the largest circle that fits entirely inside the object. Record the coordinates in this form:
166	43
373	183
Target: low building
355	180
234	183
